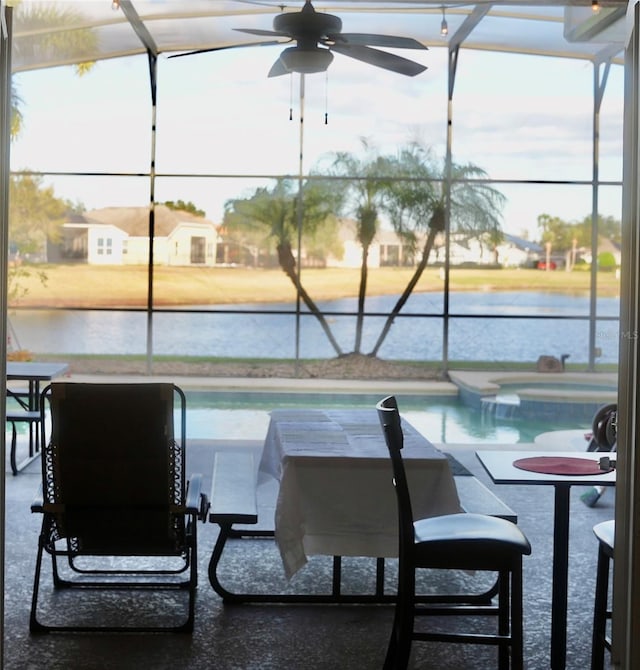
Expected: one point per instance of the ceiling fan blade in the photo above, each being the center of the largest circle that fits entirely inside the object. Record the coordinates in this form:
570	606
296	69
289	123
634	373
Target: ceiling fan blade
263	33
388	41
380	59
278	69
231	46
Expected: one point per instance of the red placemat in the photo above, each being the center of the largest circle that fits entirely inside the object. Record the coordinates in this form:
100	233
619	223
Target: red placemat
561	465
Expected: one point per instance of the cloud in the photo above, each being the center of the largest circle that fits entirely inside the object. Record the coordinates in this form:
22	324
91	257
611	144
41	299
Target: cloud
219	113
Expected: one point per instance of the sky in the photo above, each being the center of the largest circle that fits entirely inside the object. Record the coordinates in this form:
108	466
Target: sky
517	117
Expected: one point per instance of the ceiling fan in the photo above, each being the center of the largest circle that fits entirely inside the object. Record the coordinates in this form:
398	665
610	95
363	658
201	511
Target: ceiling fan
317	35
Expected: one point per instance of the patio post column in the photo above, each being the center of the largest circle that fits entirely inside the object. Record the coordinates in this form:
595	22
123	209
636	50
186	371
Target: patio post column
454	51
151	47
600	77
299	219
626	582
153	80
6	16
455	42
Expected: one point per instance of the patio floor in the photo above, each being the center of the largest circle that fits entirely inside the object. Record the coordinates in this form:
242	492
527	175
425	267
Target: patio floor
278	637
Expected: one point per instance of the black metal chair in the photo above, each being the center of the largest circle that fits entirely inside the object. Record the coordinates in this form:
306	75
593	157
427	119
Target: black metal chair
453	541
604	532
117	511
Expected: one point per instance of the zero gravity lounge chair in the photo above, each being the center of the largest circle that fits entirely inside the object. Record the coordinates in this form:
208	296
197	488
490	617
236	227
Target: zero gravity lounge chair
118	515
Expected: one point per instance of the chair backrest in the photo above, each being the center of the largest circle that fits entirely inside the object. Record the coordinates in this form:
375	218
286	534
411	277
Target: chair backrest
112	469
390	422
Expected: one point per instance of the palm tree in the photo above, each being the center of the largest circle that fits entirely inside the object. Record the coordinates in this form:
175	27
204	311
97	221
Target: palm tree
35	212
31	42
409	188
17	118
367	187
417	205
274	214
35	36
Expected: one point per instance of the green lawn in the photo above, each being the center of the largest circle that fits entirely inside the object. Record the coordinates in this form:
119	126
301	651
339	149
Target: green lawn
112	286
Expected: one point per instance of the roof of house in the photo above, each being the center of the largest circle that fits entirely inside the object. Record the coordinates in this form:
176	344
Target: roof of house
77	219
606	244
521	243
135	220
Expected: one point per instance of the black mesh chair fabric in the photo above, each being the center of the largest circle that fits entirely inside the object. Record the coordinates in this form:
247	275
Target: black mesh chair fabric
113	474
113	485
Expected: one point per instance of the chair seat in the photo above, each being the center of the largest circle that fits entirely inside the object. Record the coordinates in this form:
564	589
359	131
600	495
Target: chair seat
605	532
467	541
601	639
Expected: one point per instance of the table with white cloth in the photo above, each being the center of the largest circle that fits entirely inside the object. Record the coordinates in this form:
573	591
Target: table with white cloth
336	495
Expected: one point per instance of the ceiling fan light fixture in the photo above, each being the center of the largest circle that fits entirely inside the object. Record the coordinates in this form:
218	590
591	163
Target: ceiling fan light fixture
444	26
306	61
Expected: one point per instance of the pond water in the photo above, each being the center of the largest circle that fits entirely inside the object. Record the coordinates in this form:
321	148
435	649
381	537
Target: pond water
475	331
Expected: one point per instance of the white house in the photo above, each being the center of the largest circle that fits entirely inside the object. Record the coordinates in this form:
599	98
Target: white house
388	249
98	244
605	245
512	251
120	235
515	251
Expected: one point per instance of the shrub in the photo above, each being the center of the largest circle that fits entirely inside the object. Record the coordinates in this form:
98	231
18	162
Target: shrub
606	261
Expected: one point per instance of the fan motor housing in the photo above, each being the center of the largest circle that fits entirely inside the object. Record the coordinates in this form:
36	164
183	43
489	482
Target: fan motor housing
305	25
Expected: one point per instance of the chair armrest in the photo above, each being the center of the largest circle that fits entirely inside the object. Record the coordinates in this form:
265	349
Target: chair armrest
38	502
196	502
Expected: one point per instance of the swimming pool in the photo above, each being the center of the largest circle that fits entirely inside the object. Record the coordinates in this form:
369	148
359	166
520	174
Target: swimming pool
245	415
569	399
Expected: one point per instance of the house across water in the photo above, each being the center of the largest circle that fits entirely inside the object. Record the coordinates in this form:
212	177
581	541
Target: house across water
120	236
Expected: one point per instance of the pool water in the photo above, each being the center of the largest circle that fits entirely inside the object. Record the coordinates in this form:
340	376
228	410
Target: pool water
218	415
241	415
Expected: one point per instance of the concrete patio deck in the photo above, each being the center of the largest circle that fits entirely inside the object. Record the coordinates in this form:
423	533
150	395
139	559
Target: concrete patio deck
279	637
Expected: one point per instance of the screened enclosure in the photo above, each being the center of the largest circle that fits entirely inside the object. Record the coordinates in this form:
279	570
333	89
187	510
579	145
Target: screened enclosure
193	206
107	121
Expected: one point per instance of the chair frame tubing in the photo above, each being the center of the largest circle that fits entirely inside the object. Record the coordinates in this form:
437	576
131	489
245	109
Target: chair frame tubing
191	510
601	614
509	611
36	626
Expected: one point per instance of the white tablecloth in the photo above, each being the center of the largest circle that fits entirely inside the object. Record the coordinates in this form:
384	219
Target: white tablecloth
336	494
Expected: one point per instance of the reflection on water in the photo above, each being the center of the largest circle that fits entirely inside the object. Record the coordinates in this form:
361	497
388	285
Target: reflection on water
215	415
234	416
471	337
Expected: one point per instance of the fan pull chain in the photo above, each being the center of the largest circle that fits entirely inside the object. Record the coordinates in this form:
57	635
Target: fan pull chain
326	98
291	97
